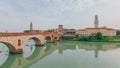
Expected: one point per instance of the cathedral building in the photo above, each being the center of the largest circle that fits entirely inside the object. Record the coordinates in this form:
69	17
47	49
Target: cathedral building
92	31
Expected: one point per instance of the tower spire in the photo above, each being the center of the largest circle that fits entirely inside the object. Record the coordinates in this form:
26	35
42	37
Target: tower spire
31	26
96	21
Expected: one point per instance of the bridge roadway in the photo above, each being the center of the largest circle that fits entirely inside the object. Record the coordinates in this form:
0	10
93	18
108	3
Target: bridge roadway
16	41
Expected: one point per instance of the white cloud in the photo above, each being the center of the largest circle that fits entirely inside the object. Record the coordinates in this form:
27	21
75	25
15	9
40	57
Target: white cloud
47	12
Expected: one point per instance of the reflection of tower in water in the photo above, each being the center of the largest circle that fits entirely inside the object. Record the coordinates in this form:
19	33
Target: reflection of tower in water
96	47
96	53
31	48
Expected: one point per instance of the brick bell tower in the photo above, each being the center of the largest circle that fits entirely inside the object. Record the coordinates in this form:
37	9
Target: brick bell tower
31	26
96	23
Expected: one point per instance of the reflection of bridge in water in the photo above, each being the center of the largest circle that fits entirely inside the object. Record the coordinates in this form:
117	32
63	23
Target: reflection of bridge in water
18	61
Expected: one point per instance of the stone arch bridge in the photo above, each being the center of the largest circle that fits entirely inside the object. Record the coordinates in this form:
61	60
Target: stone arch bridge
16	41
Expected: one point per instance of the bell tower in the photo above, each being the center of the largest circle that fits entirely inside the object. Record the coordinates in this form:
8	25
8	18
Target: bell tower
96	23
31	26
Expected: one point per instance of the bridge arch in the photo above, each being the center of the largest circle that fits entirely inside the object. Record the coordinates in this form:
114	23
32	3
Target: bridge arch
48	39
11	48
36	40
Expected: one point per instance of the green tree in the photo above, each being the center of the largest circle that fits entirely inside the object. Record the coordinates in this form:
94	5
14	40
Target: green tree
84	38
118	32
99	36
26	31
91	38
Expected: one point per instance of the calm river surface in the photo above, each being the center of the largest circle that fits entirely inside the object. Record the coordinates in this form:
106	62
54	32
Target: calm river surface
63	54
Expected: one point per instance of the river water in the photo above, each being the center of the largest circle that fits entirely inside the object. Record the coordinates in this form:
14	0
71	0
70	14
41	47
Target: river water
63	54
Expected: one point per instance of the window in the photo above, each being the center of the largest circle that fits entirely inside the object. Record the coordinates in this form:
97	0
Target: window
19	42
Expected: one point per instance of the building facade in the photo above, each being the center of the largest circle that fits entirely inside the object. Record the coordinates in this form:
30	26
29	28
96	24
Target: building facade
92	31
69	32
63	31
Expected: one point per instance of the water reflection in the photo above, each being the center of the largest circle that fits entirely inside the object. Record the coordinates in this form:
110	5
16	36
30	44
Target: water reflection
89	46
96	47
38	53
28	48
33	54
4	52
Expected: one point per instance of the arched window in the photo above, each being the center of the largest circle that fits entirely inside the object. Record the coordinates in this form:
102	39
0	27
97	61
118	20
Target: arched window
55	38
52	36
19	42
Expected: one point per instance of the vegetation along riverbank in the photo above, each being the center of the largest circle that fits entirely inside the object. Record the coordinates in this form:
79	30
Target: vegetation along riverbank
98	37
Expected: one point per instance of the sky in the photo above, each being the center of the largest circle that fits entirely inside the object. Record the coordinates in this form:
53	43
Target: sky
16	15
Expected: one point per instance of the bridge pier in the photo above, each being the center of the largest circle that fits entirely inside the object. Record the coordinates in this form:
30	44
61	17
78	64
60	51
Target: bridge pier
18	51
40	45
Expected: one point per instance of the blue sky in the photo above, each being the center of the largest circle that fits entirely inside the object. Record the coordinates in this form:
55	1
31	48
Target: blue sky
16	15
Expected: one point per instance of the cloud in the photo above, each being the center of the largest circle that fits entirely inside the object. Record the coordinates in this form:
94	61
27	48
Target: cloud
47	12
46	7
